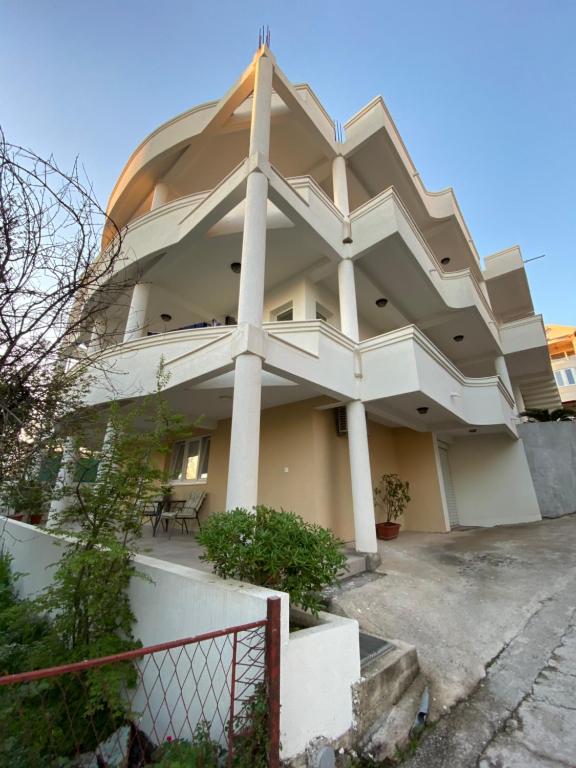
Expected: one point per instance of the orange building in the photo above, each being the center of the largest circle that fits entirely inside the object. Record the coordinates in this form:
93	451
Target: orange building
562	348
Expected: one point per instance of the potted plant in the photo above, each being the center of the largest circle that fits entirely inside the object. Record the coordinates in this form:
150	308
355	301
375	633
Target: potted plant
391	495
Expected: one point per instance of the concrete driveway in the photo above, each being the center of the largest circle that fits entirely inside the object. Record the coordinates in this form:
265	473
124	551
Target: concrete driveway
462	597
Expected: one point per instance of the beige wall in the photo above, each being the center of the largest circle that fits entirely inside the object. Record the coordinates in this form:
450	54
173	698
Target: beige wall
304	468
417	463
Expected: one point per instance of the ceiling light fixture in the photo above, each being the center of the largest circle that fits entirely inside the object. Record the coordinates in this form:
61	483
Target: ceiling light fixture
165	317
445	260
236	266
459	337
381	302
423	410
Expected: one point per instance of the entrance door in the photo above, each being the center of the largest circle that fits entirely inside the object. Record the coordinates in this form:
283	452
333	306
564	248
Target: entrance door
448	487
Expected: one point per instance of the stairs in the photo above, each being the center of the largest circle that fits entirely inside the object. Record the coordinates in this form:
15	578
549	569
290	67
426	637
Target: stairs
356	565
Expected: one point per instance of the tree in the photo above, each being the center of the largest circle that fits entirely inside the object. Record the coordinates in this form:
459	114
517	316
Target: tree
55	281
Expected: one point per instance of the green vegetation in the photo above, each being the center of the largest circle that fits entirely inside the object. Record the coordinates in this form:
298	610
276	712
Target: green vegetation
392	495
274	549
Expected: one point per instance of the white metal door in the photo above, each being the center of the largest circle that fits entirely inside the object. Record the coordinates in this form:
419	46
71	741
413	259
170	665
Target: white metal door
448	487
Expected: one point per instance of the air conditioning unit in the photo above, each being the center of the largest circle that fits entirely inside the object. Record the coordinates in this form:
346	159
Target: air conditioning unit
341	420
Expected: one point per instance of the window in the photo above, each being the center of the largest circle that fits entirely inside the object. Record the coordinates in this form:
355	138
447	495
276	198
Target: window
283	314
322	313
190	459
566	377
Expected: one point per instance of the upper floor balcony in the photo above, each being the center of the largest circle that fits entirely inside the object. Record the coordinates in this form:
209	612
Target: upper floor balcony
185	250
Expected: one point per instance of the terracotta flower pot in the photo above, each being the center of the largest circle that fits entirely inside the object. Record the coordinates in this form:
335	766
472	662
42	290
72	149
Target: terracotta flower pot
387	531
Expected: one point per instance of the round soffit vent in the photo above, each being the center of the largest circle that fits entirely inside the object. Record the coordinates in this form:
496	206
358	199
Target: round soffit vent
445	260
423	410
236	267
459	337
381	302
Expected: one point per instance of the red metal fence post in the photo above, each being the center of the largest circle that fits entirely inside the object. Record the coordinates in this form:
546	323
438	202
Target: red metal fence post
273	678
232	701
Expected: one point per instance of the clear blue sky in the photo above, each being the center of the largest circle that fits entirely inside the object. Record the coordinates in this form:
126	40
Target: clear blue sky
483	92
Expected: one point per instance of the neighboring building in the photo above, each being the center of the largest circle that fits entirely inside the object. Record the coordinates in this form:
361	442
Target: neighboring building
562	347
325	314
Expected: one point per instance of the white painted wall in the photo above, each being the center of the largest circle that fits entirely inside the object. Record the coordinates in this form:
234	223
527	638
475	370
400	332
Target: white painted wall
492	481
319	665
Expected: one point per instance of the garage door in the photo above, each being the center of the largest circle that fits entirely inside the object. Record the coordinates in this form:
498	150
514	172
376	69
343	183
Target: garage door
448	487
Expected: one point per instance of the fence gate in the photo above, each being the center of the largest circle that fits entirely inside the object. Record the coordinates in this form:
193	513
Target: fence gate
215	696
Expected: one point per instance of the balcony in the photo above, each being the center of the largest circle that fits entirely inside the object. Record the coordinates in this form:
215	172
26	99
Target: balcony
394	373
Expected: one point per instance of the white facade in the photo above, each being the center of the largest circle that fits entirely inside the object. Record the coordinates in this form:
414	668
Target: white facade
320	268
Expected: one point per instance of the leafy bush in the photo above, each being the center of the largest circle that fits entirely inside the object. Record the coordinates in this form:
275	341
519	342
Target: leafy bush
274	549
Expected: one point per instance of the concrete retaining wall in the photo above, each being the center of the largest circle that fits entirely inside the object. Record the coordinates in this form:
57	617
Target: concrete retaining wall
551	452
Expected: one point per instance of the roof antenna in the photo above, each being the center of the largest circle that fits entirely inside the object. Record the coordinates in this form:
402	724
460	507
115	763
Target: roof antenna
264	36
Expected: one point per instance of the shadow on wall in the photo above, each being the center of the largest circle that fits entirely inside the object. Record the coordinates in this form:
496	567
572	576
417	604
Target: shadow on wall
551	453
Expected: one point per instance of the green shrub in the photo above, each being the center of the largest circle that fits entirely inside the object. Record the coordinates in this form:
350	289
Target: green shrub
274	549
201	752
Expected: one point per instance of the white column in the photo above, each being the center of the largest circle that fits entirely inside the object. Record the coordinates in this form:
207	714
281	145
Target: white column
340	185
136	323
361	476
362	493
519	399
64	479
160	195
347	299
104	451
502	371
251	291
242	488
95	344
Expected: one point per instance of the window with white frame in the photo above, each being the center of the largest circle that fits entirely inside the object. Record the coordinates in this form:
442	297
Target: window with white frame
189	460
283	314
566	377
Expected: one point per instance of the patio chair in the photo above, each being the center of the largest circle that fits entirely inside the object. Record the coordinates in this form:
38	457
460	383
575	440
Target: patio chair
183	511
153	509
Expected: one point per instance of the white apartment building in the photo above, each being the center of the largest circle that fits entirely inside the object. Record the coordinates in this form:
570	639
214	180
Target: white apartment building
325	314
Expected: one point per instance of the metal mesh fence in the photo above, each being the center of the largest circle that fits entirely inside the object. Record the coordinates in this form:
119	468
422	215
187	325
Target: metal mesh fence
204	700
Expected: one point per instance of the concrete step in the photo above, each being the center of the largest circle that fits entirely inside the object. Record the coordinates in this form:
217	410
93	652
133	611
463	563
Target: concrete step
356	565
385	679
392	732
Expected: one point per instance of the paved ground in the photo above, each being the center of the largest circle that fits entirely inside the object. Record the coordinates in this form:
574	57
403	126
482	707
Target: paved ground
523	715
460	598
180	547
